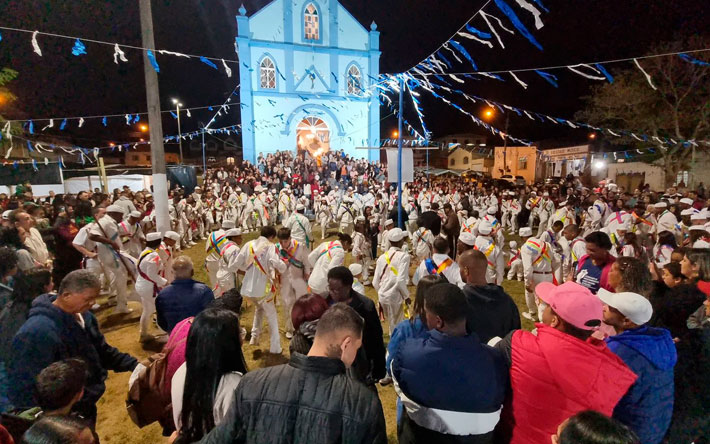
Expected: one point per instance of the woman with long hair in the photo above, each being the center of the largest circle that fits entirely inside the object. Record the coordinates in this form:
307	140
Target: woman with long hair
203	388
664	248
629	274
305	314
12	237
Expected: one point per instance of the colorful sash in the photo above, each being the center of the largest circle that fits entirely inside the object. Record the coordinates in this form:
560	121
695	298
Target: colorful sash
331	246
288	255
256	262
487	253
432	268
216	243
143	255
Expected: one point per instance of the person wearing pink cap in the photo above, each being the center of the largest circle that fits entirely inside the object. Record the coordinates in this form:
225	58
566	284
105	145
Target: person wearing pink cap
562	370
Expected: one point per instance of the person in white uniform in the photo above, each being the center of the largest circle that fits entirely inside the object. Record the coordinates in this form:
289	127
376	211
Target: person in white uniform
228	262
171	240
215	240
260	262
486	244
328	255
439	264
300	226
294	279
105	234
149	282
131	234
391	278
537	267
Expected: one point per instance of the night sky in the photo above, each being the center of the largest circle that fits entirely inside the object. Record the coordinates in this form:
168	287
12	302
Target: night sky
575	31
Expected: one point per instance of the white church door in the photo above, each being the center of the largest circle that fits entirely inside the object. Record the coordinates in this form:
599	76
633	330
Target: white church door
313	135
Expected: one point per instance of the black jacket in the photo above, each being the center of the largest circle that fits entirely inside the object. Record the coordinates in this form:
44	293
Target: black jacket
369	365
491	312
309	400
51	335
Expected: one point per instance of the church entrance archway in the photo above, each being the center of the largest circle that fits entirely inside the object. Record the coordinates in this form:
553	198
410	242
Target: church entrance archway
313	136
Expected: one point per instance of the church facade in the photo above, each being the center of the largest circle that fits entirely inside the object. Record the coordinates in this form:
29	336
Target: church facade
307	75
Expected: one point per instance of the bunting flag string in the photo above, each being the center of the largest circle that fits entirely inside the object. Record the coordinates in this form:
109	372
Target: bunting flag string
79	48
535	116
648	77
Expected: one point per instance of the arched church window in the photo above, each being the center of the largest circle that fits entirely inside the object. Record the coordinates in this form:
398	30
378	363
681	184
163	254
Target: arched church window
268	73
354	81
311	24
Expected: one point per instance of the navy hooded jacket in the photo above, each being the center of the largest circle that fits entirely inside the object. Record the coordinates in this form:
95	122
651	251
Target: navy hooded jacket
51	335
648	405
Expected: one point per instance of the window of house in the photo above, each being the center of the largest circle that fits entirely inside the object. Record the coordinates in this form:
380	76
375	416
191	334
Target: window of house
682	176
311	24
268	73
523	163
354	81
135	157
465	160
453	162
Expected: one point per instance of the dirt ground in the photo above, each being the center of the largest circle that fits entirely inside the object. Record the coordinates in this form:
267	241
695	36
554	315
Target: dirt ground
115	427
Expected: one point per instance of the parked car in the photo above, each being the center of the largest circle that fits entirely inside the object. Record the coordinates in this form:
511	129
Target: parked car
515	180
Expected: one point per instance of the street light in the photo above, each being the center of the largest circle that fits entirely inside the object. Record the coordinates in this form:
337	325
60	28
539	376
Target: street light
592	136
489	114
395	134
177	103
144	128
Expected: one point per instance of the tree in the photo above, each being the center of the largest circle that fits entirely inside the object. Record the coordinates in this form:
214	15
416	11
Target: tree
7	75
679	109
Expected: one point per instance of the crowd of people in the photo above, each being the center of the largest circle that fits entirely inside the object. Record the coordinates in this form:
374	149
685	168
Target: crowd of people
616	282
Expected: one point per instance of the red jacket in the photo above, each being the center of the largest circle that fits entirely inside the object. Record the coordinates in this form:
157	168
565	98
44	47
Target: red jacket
554	376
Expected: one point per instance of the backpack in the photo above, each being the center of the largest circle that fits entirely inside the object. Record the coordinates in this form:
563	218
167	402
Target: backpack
147	400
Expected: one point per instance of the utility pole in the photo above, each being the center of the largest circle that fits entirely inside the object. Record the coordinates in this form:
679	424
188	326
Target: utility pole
505	144
399	152
204	162
157	152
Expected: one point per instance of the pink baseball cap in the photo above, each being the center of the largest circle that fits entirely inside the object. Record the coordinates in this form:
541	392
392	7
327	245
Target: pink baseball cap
572	302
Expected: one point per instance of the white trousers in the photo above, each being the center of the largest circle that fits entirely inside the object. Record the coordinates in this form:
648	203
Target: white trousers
530	295
117	279
145	291
394	314
291	290
516	270
212	269
268	309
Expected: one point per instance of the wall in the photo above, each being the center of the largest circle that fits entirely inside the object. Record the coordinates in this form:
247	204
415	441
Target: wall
311	78
654	175
460	160
513	156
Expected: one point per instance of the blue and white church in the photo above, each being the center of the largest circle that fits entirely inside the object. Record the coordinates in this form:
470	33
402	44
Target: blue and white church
307	75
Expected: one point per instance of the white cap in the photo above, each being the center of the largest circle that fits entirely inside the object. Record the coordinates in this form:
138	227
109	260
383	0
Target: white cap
513	245
687	201
533	193
660	205
6	214
300	207
634	306
563	203
287	186
114	209
355	269
197	188
688	212
135	214
491	210
172	235
258	189
360	219
623	227
525	232
396	235
227	224
150	237
697	228
484	227
389	222
698	216
467	238
545	194
233	232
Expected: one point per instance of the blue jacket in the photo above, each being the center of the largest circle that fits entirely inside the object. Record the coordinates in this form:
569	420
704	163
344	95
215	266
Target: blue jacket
441	373
51	335
180	300
403	331
648	405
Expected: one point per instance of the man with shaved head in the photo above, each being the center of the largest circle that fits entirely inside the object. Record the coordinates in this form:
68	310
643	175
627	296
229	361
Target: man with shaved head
491	311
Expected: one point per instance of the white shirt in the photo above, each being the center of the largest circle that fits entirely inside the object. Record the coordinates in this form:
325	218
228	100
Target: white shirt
328	255
106	227
295	251
300	228
260	261
452	272
391	285
37	247
532	262
423	241
150	266
494	255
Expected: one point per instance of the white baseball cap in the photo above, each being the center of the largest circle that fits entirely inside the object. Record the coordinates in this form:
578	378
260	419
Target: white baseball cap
698	216
389	222
687	201
355	269
688	212
660	205
396	235
233	232
525	232
115	209
227	224
484	227
513	245
697	228
172	235
467	238
150	237
634	306
135	214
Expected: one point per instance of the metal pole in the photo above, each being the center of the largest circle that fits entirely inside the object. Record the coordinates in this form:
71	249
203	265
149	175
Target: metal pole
505	145
157	152
179	132
399	152
204	162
